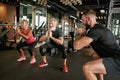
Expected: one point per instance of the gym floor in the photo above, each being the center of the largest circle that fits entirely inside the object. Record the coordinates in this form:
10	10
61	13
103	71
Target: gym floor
10	69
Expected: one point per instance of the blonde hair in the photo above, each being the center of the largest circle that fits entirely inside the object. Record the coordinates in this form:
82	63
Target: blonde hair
24	20
53	19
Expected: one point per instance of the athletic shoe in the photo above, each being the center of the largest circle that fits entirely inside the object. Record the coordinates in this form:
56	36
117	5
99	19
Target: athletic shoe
65	69
32	60
74	51
21	59
42	64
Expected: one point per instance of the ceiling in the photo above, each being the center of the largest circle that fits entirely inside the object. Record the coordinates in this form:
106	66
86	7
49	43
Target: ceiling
56	5
86	4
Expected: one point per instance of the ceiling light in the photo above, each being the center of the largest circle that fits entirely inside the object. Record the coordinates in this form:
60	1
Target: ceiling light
35	0
42	2
71	2
73	17
102	11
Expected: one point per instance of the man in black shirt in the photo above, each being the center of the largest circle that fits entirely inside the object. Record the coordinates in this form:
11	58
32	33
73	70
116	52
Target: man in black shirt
104	44
56	39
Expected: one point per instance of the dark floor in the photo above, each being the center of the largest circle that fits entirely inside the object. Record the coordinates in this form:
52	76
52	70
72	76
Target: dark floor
10	69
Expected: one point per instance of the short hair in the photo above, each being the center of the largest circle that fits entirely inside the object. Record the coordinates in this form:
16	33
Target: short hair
89	12
53	19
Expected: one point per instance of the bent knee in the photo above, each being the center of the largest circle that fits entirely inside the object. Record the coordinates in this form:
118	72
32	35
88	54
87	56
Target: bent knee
87	67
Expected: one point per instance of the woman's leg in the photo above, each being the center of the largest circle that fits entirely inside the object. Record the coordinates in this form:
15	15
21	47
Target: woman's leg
30	49
20	50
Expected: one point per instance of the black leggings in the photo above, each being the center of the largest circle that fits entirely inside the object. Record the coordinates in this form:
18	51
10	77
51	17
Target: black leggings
48	46
30	46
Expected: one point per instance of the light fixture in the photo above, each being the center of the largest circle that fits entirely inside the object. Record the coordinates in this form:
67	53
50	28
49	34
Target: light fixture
71	2
34	0
73	17
102	11
42	2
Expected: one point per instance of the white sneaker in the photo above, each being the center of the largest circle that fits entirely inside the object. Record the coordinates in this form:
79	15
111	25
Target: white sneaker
33	60
21	59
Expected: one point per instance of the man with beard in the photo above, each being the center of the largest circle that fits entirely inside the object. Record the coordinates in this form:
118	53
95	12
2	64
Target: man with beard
107	52
56	39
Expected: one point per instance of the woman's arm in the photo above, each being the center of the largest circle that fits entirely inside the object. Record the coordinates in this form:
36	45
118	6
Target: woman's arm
26	36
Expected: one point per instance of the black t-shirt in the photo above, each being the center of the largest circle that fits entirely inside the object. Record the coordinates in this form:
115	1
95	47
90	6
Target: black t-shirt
104	42
56	34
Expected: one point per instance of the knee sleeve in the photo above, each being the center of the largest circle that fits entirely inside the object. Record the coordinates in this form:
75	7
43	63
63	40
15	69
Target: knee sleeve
42	51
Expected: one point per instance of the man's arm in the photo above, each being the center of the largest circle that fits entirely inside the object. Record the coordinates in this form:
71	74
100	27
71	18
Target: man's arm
57	40
79	43
42	38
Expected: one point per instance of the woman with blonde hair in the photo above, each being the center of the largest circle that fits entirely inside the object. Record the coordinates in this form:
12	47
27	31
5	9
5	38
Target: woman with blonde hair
30	41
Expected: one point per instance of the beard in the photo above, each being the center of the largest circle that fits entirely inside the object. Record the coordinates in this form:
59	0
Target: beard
52	29
87	26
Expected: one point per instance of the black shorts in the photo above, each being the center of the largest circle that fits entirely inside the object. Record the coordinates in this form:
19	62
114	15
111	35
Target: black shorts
112	65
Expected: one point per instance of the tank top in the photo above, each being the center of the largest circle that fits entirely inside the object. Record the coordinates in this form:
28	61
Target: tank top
31	39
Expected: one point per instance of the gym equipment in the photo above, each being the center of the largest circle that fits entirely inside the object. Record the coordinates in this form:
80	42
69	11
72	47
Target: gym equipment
3	33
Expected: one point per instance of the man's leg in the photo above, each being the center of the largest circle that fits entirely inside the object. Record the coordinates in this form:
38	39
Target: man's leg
100	77
65	62
43	49
44	59
95	56
92	68
64	57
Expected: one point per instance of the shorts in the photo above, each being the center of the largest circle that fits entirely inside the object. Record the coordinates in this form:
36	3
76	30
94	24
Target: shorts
112	65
